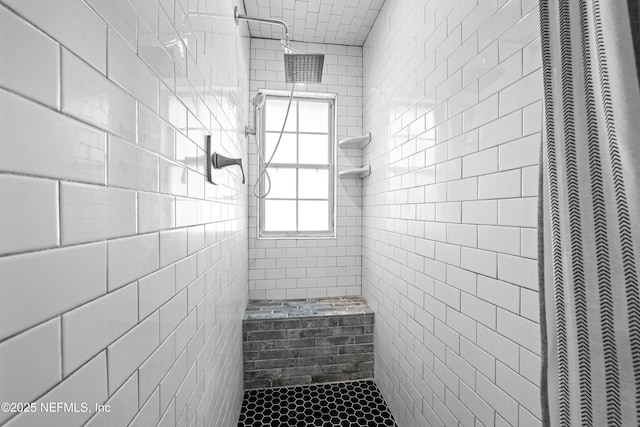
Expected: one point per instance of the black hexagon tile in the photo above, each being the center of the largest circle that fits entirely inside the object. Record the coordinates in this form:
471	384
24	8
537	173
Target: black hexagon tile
354	403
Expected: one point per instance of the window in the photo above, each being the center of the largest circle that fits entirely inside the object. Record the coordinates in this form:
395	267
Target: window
301	200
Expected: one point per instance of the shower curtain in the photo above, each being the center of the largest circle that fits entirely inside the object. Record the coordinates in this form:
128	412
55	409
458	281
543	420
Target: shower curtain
589	218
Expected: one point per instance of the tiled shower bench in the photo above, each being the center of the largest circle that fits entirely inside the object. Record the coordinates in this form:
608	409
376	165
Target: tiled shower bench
298	342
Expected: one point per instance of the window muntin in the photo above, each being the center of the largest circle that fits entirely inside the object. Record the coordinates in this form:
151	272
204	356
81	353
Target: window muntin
301	202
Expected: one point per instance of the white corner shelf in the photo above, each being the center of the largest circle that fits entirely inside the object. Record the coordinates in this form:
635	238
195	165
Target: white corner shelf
362	172
355	142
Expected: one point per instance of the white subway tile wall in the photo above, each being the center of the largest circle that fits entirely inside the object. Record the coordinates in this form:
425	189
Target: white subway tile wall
311	268
123	273
452	94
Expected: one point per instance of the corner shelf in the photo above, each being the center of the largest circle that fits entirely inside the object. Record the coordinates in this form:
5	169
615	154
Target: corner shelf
355	142
362	172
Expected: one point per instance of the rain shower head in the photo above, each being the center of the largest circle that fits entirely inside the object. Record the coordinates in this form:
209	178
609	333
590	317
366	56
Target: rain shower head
298	67
303	67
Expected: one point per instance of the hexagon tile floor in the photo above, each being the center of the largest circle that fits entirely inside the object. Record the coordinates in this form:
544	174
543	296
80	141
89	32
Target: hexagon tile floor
354	403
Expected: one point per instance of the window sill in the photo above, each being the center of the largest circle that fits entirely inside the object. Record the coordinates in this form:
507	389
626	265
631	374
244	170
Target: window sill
298	237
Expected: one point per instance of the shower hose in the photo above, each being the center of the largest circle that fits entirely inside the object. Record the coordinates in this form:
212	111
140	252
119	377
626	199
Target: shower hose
264	174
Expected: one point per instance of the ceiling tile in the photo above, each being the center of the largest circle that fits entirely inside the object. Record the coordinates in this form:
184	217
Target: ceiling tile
346	22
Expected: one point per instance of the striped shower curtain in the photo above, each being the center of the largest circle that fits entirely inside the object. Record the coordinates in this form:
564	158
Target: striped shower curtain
590	213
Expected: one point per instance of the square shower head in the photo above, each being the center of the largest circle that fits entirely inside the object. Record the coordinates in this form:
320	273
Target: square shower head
303	67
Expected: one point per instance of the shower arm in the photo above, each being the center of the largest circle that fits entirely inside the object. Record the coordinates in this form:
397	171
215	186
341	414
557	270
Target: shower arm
285	27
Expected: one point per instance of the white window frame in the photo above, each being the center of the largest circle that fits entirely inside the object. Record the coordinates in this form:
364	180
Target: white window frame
330	99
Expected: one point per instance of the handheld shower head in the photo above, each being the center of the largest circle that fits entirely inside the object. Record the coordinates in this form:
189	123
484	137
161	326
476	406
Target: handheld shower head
259	100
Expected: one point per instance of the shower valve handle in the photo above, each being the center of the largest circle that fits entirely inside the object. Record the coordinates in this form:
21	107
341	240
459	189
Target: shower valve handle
219	161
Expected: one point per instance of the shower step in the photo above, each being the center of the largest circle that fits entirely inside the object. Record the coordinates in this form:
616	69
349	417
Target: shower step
312	341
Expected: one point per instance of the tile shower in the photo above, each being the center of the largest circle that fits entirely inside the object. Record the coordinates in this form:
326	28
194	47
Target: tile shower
127	280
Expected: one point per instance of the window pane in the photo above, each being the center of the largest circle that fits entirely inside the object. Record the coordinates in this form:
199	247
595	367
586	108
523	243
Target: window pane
314	149
275	113
283	183
314	183
314	117
279	215
299	200
313	216
286	150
